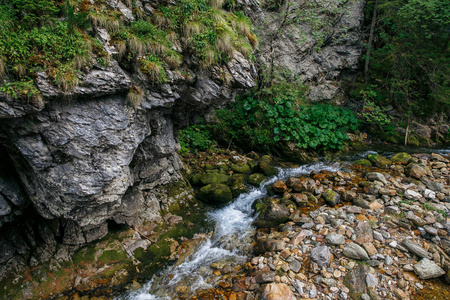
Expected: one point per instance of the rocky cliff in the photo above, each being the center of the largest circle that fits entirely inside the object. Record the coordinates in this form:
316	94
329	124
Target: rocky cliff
72	163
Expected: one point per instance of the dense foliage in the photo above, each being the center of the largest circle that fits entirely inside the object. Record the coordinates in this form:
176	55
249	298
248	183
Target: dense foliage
262	123
270	116
410	59
58	37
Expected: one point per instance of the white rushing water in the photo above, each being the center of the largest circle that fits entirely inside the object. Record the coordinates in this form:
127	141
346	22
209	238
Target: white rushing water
229	244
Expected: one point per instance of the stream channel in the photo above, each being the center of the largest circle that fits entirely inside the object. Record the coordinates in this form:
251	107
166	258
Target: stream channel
232	238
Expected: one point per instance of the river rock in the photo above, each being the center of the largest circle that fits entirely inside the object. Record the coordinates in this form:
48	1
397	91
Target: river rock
427	269
272	215
215	193
264	276
242	167
376	176
415	170
335	239
379	161
277	291
432	185
355	251
416	249
210	178
355	281
401	158
321	255
438	157
279	187
360	202
362	162
331	197
302	184
256	178
264	164
364	233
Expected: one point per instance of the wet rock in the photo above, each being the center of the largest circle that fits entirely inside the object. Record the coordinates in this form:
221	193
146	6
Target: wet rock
265	276
215	193
427	269
362	162
300	199
279	187
379	161
256	178
238	189
265	167
277	291
321	255
335	239
401	158
243	168
273	215
302	184
355	281
376	176
416	249
216	178
355	251
331	197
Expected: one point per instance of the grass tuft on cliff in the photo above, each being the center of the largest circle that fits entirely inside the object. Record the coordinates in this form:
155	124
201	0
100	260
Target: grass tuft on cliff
60	39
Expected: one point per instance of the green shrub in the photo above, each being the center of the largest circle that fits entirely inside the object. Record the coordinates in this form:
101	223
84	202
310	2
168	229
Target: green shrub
262	123
196	138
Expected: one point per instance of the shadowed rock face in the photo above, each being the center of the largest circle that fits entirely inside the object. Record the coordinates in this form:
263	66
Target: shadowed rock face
81	162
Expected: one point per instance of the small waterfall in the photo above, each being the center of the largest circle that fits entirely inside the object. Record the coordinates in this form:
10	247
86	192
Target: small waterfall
230	243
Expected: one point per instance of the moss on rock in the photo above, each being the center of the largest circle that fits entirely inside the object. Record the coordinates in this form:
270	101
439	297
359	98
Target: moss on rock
212	178
256	178
215	193
362	162
401	158
379	161
243	168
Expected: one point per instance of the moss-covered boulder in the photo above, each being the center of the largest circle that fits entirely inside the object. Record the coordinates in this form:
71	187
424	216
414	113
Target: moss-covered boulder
255	179
215	193
264	165
211	178
379	161
362	162
401	158
238	188
331	197
195	179
243	168
237	179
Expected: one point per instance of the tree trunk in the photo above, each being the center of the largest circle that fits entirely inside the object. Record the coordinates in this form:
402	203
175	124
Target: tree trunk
369	44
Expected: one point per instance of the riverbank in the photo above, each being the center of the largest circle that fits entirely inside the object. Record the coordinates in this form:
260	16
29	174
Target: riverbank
381	235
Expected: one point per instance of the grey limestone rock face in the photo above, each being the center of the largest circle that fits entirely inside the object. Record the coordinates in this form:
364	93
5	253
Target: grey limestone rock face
92	158
320	58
